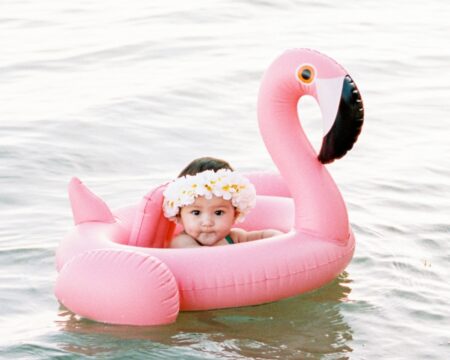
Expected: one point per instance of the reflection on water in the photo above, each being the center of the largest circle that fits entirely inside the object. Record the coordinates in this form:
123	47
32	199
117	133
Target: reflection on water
307	326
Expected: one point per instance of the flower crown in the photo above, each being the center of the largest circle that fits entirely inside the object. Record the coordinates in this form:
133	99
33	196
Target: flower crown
224	183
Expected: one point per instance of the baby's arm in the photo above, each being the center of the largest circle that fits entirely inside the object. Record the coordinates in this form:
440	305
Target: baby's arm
183	240
239	235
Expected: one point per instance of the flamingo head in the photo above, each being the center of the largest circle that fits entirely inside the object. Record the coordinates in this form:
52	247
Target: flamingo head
308	72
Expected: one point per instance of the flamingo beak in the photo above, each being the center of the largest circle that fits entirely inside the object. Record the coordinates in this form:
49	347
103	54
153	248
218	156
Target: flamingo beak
342	113
329	92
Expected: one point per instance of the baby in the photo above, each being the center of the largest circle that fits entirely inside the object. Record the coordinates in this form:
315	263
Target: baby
207	198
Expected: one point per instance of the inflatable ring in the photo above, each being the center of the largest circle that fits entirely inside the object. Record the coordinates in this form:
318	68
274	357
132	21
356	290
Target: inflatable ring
114	267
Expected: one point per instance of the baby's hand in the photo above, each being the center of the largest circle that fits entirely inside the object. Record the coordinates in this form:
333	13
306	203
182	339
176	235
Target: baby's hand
271	232
240	235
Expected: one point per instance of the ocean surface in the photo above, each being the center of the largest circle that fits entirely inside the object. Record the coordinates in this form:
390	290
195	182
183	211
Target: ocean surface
123	94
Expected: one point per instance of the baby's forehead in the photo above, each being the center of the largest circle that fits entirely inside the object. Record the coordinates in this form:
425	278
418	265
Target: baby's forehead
214	201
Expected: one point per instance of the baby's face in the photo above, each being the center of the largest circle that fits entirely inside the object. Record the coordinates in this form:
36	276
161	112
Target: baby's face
208	220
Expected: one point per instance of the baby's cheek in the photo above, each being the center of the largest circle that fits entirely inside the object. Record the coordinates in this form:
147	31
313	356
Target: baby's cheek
191	229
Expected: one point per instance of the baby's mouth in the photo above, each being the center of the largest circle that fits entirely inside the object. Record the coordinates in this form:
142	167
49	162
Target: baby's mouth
207	236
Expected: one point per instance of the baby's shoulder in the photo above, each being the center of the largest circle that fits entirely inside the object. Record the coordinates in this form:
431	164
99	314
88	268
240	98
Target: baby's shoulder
182	241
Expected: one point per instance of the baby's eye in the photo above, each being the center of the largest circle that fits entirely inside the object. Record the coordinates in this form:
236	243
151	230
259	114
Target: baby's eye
195	212
219	212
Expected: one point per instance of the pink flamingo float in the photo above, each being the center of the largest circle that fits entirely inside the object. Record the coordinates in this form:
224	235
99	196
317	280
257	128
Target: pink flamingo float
114	267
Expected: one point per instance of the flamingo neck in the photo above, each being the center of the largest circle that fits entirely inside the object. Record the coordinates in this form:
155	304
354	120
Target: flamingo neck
319	207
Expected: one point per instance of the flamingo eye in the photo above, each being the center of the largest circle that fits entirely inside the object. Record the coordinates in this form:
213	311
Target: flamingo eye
306	74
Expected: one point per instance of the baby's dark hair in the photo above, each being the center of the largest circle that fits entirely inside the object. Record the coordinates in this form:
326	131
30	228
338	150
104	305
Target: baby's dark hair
204	163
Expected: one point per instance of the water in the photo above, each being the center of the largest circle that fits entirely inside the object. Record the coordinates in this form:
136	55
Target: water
124	93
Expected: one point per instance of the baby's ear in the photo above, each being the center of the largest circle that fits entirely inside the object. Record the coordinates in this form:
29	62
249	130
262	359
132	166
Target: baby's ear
236	214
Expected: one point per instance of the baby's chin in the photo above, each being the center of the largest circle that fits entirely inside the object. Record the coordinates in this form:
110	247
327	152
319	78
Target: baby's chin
208	239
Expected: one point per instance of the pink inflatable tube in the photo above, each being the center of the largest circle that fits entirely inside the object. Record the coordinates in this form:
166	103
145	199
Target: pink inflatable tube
114	267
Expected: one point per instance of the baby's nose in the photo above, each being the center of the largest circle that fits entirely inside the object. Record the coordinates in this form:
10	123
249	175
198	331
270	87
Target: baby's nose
207	220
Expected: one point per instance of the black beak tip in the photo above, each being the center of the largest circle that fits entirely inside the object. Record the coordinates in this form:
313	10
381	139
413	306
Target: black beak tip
347	125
